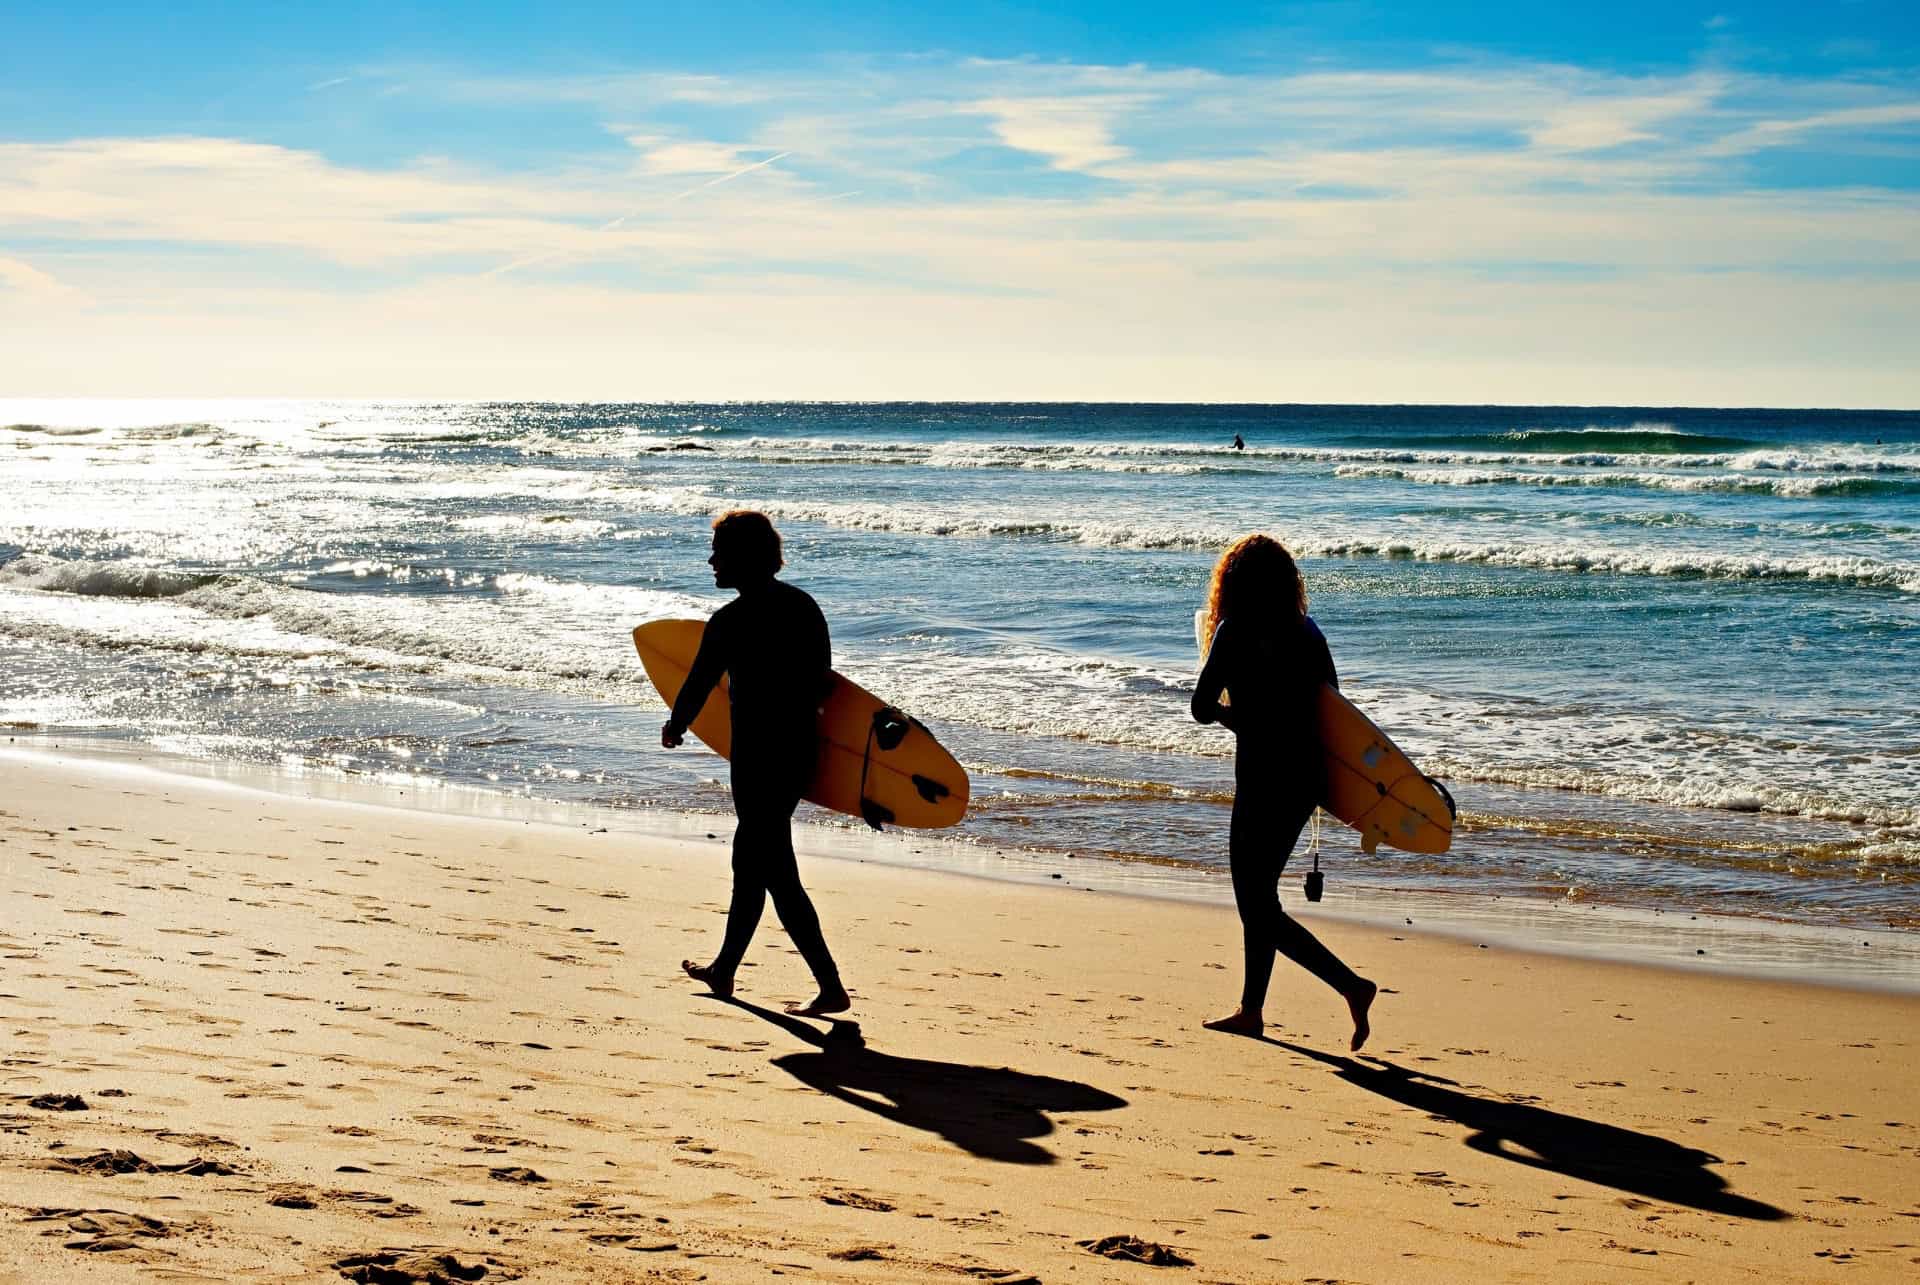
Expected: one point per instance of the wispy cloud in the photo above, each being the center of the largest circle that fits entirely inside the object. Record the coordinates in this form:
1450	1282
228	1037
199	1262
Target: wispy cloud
1562	210
662	156
1614	121
1790	132
22	277
1072	133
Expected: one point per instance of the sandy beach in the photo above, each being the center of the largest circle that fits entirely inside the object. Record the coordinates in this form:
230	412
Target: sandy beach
264	1037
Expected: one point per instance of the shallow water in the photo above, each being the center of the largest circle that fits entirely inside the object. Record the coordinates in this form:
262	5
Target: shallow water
1663	658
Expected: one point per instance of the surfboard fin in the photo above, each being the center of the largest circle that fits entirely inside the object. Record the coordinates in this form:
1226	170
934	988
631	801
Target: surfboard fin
875	814
930	790
890	727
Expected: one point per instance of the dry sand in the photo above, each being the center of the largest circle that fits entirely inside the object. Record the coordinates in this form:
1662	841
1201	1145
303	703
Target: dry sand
319	1041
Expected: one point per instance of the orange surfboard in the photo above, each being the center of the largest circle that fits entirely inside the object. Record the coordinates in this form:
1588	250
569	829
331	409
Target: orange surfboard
875	762
1371	784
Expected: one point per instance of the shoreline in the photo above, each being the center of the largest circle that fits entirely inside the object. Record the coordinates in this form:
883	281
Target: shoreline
1730	944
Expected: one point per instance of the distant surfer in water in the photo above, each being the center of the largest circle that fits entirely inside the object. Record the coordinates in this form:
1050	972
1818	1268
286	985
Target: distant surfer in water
1238	444
1267	657
772	644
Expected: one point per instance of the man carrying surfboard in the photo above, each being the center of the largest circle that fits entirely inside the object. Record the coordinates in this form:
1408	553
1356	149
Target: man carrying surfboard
771	643
1267	658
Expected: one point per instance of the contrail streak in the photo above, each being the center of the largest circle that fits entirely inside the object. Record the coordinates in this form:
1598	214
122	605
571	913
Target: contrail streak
609	226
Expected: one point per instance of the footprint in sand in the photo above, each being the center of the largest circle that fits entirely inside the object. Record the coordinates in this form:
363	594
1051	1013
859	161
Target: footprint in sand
110	1163
497	1140
1132	1249
515	1173
100	1231
405	1266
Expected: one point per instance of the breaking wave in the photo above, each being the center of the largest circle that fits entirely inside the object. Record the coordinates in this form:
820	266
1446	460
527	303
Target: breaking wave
1562	557
1794	487
98	579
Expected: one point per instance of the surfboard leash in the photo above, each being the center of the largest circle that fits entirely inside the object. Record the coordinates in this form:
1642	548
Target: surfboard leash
1316	882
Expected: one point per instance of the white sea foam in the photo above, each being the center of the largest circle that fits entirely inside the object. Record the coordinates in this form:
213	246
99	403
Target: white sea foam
195	433
545	526
1178	458
394	637
53	430
1033	691
1535	554
392	572
1791	487
172	625
1824	462
361	568
97	579
1695	563
1744	790
546	633
631	604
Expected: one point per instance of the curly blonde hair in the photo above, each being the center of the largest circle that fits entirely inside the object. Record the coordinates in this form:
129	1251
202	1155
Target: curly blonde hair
1256	577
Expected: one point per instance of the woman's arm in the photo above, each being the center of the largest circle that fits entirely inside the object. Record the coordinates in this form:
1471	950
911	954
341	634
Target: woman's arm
1328	674
1206	706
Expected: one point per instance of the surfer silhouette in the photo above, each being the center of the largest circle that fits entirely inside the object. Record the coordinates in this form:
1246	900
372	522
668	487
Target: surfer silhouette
1264	664
771	642
1238	445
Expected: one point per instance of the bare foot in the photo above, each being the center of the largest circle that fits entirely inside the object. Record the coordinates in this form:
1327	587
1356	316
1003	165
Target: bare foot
1358	1003
715	982
827	1001
1240	1023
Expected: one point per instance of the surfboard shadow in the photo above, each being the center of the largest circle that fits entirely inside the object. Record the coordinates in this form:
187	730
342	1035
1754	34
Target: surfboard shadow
990	1111
1607	1154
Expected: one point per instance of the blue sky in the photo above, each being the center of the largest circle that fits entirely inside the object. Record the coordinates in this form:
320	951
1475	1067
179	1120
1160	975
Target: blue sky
1340	201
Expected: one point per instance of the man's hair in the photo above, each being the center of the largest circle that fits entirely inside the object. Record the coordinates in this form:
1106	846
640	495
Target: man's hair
749	534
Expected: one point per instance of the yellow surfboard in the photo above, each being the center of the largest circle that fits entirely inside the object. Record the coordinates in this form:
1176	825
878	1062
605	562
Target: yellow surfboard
1371	784
875	762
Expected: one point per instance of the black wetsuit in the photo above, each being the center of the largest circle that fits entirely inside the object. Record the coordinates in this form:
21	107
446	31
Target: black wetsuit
772	644
1271	671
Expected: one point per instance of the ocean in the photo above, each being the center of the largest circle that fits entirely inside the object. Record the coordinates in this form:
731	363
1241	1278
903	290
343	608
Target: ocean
1664	659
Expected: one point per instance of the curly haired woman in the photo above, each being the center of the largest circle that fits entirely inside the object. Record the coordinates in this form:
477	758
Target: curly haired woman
1265	655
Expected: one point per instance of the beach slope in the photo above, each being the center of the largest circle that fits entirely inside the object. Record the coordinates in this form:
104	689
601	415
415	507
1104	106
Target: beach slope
254	1036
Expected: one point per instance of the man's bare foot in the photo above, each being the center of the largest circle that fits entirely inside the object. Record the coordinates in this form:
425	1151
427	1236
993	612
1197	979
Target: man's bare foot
1240	1023
1358	1003
827	1001
721	985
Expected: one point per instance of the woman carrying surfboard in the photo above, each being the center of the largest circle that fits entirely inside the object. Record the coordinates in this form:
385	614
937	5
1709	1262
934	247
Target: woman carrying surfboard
1265	655
771	643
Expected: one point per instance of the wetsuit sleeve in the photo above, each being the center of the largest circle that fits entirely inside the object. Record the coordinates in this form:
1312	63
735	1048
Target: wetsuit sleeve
708	664
1206	707
1327	672
820	659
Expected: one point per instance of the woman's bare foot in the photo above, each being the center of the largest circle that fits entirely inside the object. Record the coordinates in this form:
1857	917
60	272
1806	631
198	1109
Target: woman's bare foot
1358	1003
719	984
1240	1023
829	1000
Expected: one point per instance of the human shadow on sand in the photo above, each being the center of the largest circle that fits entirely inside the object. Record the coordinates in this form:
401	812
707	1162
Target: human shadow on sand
1607	1154
990	1111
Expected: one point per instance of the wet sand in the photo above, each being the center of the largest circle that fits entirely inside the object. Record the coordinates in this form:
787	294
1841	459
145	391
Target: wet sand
255	1036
